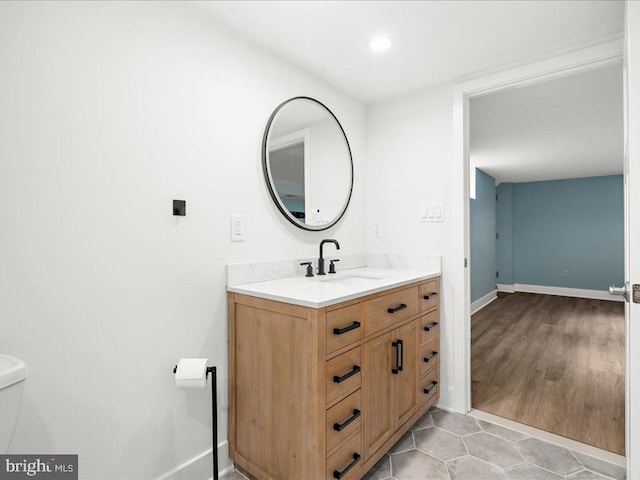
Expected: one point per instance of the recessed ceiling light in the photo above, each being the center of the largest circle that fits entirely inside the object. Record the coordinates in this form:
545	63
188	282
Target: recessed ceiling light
381	43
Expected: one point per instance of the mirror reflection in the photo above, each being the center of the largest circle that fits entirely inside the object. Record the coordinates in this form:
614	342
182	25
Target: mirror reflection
307	163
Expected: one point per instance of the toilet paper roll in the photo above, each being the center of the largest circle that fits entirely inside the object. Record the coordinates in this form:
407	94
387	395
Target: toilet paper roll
191	373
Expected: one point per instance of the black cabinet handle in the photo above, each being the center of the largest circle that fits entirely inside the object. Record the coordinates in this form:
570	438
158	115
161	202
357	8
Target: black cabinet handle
429	327
340	426
339	475
432	294
396	370
433	385
341	379
401	344
402	306
428	359
340	331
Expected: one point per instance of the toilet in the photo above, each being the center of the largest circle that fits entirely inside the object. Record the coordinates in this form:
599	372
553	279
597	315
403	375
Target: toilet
13	372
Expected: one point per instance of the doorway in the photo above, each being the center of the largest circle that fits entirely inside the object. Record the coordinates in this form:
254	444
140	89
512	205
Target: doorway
588	58
547	231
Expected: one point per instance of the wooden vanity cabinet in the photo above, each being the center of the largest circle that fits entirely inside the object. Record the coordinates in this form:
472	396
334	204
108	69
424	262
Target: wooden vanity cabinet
389	384
324	393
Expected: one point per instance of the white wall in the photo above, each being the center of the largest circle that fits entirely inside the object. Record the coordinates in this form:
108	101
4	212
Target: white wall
109	111
409	162
329	172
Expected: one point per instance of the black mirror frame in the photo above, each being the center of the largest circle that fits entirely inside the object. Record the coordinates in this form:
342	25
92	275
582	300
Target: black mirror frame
265	169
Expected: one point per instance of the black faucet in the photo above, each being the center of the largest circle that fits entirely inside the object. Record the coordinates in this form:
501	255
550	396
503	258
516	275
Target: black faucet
321	259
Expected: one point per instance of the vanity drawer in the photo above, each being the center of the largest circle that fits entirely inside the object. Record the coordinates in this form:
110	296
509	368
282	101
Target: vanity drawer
429	356
429	295
387	310
429	385
344	327
343	419
347	461
430	327
343	374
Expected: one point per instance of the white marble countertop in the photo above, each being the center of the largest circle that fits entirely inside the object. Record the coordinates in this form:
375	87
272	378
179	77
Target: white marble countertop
320	291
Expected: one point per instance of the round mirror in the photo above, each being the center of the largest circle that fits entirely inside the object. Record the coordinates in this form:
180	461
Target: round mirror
307	163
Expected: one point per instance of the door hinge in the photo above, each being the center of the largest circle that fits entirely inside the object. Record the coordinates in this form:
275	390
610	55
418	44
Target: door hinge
496	197
497	235
465	263
497	275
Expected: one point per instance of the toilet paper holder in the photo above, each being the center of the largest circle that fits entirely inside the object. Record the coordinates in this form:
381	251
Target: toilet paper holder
214	417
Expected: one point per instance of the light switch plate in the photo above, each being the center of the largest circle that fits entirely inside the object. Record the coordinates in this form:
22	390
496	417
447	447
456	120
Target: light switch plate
431	212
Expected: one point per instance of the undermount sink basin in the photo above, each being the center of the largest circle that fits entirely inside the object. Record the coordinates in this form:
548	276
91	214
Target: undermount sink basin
349	279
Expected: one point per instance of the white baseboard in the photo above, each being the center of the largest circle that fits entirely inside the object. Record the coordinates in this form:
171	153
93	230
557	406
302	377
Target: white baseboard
567	292
483	301
199	467
506	288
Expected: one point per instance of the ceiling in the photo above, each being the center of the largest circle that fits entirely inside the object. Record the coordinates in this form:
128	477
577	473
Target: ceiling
434	41
570	127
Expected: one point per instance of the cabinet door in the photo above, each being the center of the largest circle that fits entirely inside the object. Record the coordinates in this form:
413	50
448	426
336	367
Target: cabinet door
406	400
378	358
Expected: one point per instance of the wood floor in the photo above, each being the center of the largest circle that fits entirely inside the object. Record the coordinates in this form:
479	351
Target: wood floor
555	363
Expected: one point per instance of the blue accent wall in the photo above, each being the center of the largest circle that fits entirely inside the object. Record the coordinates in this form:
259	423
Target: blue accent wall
575	225
504	227
483	236
285	187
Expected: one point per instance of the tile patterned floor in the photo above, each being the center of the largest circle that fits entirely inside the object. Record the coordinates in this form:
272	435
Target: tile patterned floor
448	446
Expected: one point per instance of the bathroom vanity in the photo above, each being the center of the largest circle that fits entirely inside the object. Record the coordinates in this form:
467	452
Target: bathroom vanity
326	374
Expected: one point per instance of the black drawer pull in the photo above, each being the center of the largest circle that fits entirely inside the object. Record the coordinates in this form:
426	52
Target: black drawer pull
339	475
340	426
433	385
341	379
429	327
432	294
340	331
428	359
402	306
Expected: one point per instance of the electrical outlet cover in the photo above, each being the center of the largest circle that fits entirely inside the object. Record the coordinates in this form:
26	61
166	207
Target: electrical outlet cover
238	228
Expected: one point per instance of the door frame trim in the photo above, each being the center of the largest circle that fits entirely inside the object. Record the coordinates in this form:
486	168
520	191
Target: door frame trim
608	53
